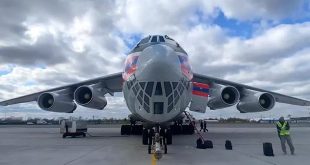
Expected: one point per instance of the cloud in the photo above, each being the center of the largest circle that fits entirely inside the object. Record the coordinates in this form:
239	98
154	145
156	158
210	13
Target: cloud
44	44
264	9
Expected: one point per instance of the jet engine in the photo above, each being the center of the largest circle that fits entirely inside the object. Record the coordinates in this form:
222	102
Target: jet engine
256	102
223	96
91	97
56	102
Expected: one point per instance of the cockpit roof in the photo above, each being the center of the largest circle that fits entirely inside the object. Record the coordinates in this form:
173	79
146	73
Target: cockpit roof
157	39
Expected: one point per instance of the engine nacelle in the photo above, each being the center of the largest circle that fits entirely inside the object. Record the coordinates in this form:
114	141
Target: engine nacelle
91	97
56	102
223	96
256	102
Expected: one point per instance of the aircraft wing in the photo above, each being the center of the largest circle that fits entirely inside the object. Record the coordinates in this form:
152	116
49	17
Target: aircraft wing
112	82
278	97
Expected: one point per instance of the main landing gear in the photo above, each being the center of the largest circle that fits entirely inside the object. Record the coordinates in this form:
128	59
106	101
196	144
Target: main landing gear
182	129
131	130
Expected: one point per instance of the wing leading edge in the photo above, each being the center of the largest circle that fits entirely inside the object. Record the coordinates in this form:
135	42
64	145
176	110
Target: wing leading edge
113	83
278	97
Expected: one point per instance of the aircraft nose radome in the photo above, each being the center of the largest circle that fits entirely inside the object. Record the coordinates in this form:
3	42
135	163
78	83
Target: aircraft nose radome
158	62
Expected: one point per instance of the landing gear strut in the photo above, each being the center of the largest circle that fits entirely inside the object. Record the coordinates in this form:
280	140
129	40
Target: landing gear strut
157	142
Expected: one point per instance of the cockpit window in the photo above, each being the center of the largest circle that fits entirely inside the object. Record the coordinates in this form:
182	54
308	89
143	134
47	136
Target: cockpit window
154	39
167	37
161	39
144	40
157	39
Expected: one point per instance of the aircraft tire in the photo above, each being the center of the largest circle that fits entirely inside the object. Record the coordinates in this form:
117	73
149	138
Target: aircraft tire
185	129
145	137
162	132
123	130
127	129
191	130
139	129
134	130
151	134
169	137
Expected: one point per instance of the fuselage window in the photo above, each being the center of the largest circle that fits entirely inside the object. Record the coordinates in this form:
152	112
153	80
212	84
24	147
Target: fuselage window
174	84
146	100
140	100
161	39
168	88
158	107
158	90
137	86
142	84
135	91
149	88
170	99
170	108
168	38
141	94
154	39
146	107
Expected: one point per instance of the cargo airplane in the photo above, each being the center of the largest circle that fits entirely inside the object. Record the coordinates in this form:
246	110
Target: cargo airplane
158	85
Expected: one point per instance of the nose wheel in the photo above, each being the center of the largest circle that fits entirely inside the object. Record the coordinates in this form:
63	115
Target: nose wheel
156	141
147	135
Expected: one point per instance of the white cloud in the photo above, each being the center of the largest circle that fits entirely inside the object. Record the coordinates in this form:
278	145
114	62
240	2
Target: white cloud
263	9
82	40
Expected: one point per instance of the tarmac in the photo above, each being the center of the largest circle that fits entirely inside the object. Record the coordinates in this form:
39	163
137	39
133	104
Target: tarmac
44	145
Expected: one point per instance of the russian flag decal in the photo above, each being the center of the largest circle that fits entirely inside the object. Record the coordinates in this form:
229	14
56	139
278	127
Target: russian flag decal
130	66
200	89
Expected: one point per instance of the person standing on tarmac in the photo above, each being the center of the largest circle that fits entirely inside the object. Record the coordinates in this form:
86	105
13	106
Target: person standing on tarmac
201	125
283	128
205	126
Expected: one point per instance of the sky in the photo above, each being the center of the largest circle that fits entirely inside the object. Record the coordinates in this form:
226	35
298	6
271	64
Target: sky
45	44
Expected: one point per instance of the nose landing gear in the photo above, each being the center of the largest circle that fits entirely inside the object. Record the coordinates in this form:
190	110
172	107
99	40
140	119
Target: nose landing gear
157	143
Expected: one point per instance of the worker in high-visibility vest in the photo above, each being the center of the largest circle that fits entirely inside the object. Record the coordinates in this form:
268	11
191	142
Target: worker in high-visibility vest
283	128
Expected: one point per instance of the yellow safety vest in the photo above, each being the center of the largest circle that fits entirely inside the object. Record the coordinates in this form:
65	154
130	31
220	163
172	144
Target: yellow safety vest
283	130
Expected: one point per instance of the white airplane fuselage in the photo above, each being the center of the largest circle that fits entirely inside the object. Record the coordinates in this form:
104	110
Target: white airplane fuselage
157	84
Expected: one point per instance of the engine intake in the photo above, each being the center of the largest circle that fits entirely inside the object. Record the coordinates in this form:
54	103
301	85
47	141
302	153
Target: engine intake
55	102
91	97
256	102
223	96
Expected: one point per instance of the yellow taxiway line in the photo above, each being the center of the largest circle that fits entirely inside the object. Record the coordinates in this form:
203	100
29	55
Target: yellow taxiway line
154	160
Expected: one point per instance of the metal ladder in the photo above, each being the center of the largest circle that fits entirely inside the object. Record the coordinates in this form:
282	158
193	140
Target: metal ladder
191	122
